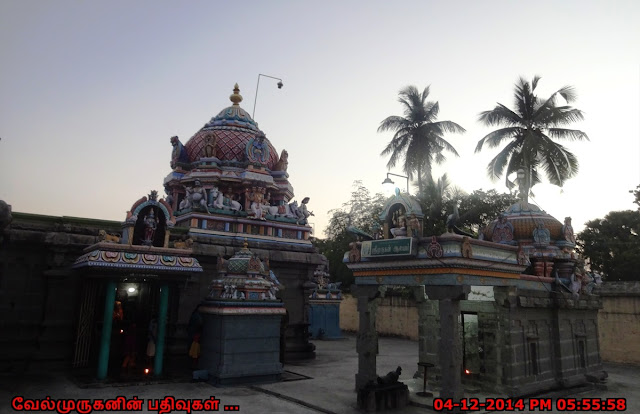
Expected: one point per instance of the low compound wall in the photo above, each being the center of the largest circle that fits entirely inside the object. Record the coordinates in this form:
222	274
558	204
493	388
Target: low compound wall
397	316
618	320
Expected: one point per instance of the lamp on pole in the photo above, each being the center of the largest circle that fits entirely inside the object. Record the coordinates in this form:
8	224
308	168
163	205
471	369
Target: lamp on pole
280	85
387	183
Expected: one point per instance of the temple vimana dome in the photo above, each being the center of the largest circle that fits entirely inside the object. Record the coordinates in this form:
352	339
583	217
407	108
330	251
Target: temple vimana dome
230	168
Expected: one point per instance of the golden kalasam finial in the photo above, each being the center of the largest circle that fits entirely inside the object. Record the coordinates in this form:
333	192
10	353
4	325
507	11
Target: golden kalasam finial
236	98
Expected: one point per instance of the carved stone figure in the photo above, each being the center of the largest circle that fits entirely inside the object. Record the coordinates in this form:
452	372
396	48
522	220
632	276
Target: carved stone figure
257	150
503	232
183	244
185	203
179	153
354	252
302	213
150	225
103	236
414	225
292	210
283	162
541	234
196	196
434	249
401	228
220	202
209	145
199	196
257	205
273	210
595	281
131	218
168	198
465	248
523	259
567	231
390	378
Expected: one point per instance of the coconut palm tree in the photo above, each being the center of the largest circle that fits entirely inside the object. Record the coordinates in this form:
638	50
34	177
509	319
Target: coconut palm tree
418	136
529	131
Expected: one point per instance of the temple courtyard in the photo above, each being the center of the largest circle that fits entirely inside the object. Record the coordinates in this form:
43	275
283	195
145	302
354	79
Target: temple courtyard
322	385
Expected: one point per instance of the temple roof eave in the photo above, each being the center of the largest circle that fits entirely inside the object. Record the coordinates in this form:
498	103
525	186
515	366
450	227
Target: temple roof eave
149	259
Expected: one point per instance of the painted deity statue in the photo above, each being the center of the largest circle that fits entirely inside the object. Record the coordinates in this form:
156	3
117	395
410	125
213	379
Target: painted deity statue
209	145
195	196
401	228
199	196
150	225
503	232
257	206
414	225
257	150
567	231
303	213
541	234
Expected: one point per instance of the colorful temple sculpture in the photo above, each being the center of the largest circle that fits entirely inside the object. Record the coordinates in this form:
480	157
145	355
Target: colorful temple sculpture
535	321
228	191
120	269
242	319
324	307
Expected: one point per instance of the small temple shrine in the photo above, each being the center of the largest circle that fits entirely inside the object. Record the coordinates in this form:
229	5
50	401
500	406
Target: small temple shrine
225	253
537	323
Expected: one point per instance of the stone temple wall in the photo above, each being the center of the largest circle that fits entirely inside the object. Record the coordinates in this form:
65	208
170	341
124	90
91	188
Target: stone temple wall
619	322
38	292
40	295
529	341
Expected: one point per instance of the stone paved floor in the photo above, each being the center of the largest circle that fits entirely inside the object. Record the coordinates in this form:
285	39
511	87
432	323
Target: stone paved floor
328	388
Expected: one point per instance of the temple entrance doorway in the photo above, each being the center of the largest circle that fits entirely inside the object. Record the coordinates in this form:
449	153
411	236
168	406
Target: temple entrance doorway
134	317
135	306
472	351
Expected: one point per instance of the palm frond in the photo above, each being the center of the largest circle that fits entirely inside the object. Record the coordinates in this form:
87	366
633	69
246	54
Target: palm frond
497	164
569	134
534	82
568	93
500	115
449	126
563	115
392	123
495	138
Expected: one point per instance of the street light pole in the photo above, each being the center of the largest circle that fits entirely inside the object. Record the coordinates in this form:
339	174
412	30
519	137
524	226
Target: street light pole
388	180
280	84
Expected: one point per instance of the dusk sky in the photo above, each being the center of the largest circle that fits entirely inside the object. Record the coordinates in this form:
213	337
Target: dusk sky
91	91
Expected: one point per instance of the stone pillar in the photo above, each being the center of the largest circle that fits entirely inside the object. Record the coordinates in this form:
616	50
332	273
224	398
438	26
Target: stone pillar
423	327
162	329
367	342
450	345
107	320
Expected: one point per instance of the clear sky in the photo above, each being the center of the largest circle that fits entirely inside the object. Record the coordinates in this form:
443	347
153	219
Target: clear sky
91	91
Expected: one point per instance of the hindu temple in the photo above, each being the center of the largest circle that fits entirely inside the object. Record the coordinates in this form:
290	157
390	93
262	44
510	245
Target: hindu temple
535	315
227	250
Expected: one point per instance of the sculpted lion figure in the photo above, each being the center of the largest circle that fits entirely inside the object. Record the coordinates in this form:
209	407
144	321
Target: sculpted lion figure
109	238
183	244
283	162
